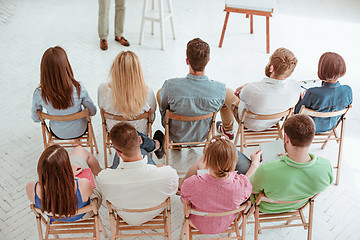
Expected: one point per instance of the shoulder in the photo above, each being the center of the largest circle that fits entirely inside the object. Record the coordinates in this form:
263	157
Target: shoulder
37	93
30	187
103	89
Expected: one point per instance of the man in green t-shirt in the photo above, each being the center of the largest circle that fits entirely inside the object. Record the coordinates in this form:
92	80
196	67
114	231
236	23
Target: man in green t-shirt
294	176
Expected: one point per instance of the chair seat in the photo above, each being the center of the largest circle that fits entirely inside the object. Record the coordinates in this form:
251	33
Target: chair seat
257	5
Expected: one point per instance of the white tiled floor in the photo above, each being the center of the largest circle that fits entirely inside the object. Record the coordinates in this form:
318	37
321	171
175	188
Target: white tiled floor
308	28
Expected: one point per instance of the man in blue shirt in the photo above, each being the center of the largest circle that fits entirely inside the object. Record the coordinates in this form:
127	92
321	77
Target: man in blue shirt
193	95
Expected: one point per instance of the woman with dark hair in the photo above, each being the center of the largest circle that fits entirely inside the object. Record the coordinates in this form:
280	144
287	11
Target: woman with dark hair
331	96
58	191
60	94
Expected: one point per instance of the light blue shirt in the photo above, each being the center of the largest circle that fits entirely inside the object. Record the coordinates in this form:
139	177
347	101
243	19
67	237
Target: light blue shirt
68	129
191	96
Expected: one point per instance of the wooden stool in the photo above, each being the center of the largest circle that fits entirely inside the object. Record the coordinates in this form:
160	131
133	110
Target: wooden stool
250	8
159	16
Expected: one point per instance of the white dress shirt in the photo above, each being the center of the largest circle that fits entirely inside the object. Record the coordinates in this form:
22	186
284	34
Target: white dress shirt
137	185
268	96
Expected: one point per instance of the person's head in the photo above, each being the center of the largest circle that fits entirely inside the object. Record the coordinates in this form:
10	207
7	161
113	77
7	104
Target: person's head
125	139
331	67
56	181
221	156
129	89
281	64
197	54
300	130
57	79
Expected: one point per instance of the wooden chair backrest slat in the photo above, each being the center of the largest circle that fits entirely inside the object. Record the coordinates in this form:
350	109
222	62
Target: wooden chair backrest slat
314	113
173	116
251	115
110	116
70	117
162	205
243	207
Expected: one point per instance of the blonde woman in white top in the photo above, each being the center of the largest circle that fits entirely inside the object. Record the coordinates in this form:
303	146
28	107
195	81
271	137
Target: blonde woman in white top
127	93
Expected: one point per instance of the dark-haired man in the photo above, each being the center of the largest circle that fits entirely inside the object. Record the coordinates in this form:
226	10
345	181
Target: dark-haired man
135	184
294	176
193	95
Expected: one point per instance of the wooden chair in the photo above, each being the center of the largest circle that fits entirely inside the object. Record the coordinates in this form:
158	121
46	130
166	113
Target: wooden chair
325	137
106	131
162	221
253	138
172	116
250	8
286	217
81	226
190	231
86	140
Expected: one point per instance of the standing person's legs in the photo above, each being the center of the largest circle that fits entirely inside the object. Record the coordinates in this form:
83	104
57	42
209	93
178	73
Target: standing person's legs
103	23
230	110
119	17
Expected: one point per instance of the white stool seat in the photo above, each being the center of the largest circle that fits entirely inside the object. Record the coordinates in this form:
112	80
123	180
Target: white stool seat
257	5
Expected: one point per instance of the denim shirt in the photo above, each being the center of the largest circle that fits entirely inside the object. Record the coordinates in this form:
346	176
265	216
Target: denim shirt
67	129
329	97
191	96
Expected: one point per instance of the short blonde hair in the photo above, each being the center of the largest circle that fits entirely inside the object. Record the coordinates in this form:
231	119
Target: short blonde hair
284	62
129	89
220	155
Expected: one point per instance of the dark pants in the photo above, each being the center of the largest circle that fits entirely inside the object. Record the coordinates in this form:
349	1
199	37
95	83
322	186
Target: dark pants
243	163
147	146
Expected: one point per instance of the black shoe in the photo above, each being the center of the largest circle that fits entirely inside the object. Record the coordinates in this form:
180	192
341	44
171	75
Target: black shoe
160	137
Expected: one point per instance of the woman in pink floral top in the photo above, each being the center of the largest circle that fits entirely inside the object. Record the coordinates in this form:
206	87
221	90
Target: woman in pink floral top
220	190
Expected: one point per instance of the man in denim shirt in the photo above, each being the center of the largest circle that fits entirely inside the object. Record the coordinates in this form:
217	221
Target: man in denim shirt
194	95
331	96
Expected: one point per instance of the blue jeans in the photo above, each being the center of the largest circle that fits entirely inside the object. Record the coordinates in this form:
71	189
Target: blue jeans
147	146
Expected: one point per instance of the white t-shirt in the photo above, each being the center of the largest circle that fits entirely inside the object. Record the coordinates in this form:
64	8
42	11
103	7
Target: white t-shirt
137	185
268	96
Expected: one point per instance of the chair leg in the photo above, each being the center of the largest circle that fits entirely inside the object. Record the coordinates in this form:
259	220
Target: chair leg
161	15
172	19
224	29
102	227
257	224
311	215
267	35
152	22
303	220
182	231
94	140
97	231
251	24
142	23
338	167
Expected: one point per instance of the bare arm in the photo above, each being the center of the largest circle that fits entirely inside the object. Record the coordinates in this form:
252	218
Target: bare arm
255	162
238	90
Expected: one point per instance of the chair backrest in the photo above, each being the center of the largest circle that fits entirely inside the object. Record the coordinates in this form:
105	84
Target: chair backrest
110	116
89	225
70	117
251	115
173	116
314	113
86	140
142	210
189	230
161	221
263	198
243	208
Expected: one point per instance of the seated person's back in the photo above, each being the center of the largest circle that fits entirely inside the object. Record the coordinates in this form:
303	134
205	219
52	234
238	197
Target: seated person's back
127	93
220	190
295	176
60	94
274	94
331	96
134	184
194	95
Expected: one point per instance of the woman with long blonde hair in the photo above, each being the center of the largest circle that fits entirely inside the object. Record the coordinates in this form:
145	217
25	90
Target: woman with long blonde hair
127	93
